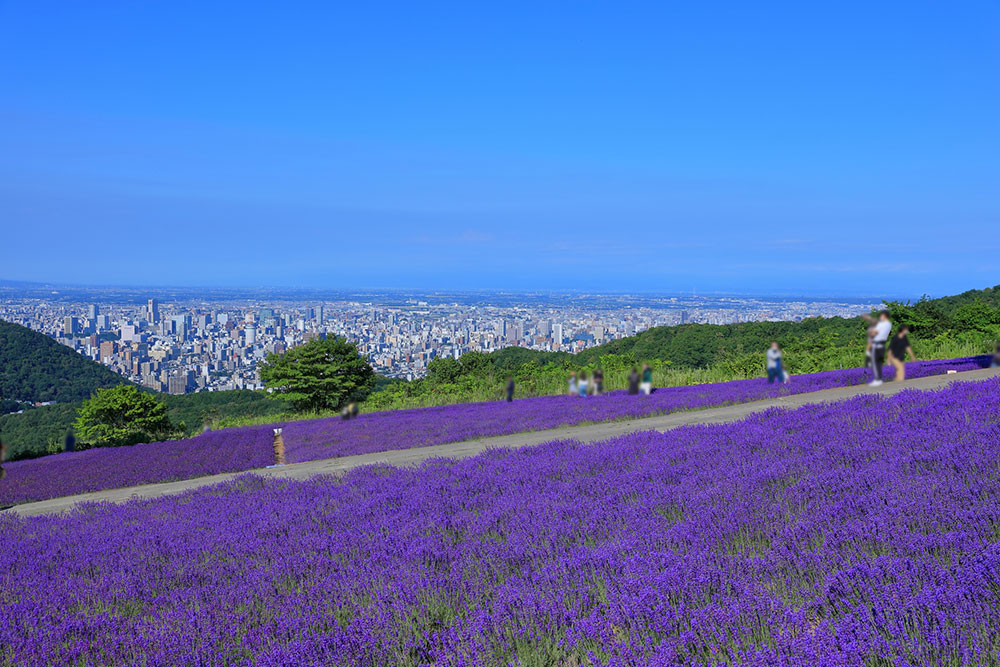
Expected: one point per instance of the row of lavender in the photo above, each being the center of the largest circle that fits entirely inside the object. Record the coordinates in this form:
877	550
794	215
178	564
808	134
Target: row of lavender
403	429
860	533
240	449
228	450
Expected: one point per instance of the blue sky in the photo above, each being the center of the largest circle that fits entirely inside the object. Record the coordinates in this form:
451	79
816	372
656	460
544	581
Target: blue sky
840	148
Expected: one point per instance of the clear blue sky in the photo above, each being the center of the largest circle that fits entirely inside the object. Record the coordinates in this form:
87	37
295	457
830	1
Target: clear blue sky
848	147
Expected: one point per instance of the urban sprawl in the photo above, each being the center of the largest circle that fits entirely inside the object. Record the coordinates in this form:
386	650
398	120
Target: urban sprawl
185	345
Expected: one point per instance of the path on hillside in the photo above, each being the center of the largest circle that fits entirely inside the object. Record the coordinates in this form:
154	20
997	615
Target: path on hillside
457	450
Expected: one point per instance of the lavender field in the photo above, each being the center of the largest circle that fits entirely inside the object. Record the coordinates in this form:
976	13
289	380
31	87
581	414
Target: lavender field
860	533
230	450
402	429
246	448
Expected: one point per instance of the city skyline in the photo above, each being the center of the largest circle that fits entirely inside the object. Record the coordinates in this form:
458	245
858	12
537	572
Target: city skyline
841	149
194	342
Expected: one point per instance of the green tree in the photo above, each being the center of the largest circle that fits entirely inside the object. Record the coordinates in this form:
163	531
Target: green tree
323	374
120	416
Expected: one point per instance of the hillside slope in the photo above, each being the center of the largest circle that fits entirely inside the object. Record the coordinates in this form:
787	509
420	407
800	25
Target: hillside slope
701	345
33	367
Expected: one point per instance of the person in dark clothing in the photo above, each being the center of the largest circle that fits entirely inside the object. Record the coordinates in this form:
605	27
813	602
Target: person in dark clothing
70	442
774	370
598	382
354	410
899	347
510	389
996	358
633	381
3	455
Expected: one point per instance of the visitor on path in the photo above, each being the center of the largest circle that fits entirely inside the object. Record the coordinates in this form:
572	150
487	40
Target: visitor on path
69	444
598	382
899	347
633	381
646	386
510	389
774	371
573	387
583	383
879	332
350	411
996	358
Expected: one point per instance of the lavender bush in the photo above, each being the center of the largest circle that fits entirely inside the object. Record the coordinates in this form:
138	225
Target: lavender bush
231	450
853	534
403	429
239	449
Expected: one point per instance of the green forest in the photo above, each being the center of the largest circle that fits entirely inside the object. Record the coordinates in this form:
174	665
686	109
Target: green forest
35	368
962	325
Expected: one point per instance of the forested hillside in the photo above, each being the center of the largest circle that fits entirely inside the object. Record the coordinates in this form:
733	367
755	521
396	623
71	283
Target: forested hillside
33	367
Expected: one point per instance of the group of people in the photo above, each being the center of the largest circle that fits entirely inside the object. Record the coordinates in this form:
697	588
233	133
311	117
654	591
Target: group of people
882	346
879	342
581	385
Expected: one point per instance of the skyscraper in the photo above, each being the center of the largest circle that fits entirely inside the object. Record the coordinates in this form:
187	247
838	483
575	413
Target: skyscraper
71	326
153	311
92	312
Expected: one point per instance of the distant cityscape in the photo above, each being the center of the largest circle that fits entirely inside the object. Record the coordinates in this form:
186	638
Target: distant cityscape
182	341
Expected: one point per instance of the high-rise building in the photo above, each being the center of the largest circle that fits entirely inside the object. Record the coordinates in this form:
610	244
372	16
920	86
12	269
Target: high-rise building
129	333
557	334
319	314
92	312
102	323
153	311
251	335
71	326
108	349
178	384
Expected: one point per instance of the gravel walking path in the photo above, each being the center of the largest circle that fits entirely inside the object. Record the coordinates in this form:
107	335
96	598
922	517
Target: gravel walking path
585	433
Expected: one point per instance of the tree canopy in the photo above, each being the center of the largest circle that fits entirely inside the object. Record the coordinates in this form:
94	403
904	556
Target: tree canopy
33	367
323	374
120	416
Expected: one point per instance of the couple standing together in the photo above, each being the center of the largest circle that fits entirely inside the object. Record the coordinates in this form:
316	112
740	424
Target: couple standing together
878	340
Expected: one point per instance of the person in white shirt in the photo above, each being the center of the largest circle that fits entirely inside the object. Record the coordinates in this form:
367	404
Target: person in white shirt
879	332
774	371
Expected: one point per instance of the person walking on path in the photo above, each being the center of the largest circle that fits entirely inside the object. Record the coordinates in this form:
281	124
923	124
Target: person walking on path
598	382
633	381
69	444
996	358
774	371
899	347
647	380
583	383
573	387
879	331
510	388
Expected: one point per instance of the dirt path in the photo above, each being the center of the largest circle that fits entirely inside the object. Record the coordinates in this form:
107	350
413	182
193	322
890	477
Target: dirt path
587	433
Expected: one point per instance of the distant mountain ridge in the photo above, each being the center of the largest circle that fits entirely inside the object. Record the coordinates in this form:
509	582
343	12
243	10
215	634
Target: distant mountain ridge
35	368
